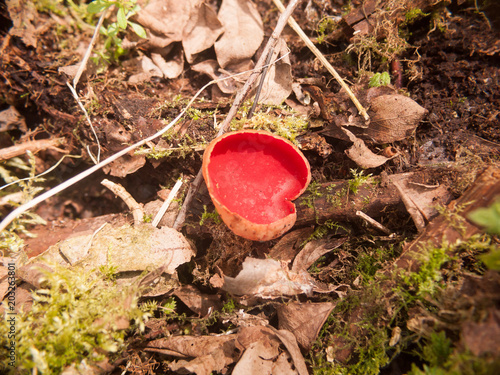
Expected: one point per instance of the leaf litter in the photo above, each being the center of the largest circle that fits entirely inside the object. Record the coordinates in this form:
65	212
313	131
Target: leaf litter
231	37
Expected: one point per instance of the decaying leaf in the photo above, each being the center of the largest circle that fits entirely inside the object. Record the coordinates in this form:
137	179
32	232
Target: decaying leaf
166	18
268	278
314	250
11	119
304	320
243	32
393	118
361	154
127	248
199	303
226	83
171	68
23	13
423	198
278	81
201	30
127	164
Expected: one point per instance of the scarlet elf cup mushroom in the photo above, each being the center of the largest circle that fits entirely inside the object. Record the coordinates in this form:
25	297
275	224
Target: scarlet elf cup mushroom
252	177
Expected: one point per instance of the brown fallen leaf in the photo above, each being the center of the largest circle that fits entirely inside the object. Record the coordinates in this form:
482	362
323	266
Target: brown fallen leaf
361	154
11	119
278	81
314	250
171	68
393	118
304	320
128	248
166	18
23	13
201	30
199	303
243	32
268	278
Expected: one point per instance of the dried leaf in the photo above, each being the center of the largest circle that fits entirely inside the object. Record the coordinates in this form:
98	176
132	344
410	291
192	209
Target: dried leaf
22	14
243	32
201	30
314	250
127	164
11	119
278	82
268	278
173	67
361	154
201	304
128	248
166	18
393	118
304	320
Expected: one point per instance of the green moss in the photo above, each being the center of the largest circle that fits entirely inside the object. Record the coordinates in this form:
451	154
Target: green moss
288	127
413	14
358	180
73	319
213	216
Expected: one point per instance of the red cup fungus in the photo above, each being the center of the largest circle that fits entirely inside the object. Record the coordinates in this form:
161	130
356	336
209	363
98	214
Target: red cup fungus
252	177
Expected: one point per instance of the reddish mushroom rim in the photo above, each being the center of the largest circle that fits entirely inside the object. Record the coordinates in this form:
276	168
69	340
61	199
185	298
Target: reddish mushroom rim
255	174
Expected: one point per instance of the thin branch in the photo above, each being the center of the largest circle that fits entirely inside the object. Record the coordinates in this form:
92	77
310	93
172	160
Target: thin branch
57	189
295	26
121	192
240	97
33	146
167	202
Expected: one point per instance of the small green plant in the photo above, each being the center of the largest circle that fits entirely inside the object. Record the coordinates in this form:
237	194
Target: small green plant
313	191
326	26
229	307
490	219
380	79
113	43
358	180
214	216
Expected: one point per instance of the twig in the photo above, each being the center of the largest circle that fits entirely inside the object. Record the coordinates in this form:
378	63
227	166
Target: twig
295	26
75	95
373	222
33	146
167	202
86	57
57	189
261	83
119	190
240	96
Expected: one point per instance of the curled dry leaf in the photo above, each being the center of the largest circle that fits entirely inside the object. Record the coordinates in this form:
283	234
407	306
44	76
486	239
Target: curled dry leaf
201	30
304	320
243	32
361	154
393	118
171	68
128	248
268	278
278	81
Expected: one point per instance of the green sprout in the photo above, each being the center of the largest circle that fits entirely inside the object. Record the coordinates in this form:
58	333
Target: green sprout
126	9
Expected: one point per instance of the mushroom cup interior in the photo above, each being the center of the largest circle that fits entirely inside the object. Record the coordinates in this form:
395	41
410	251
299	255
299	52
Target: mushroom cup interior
256	175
